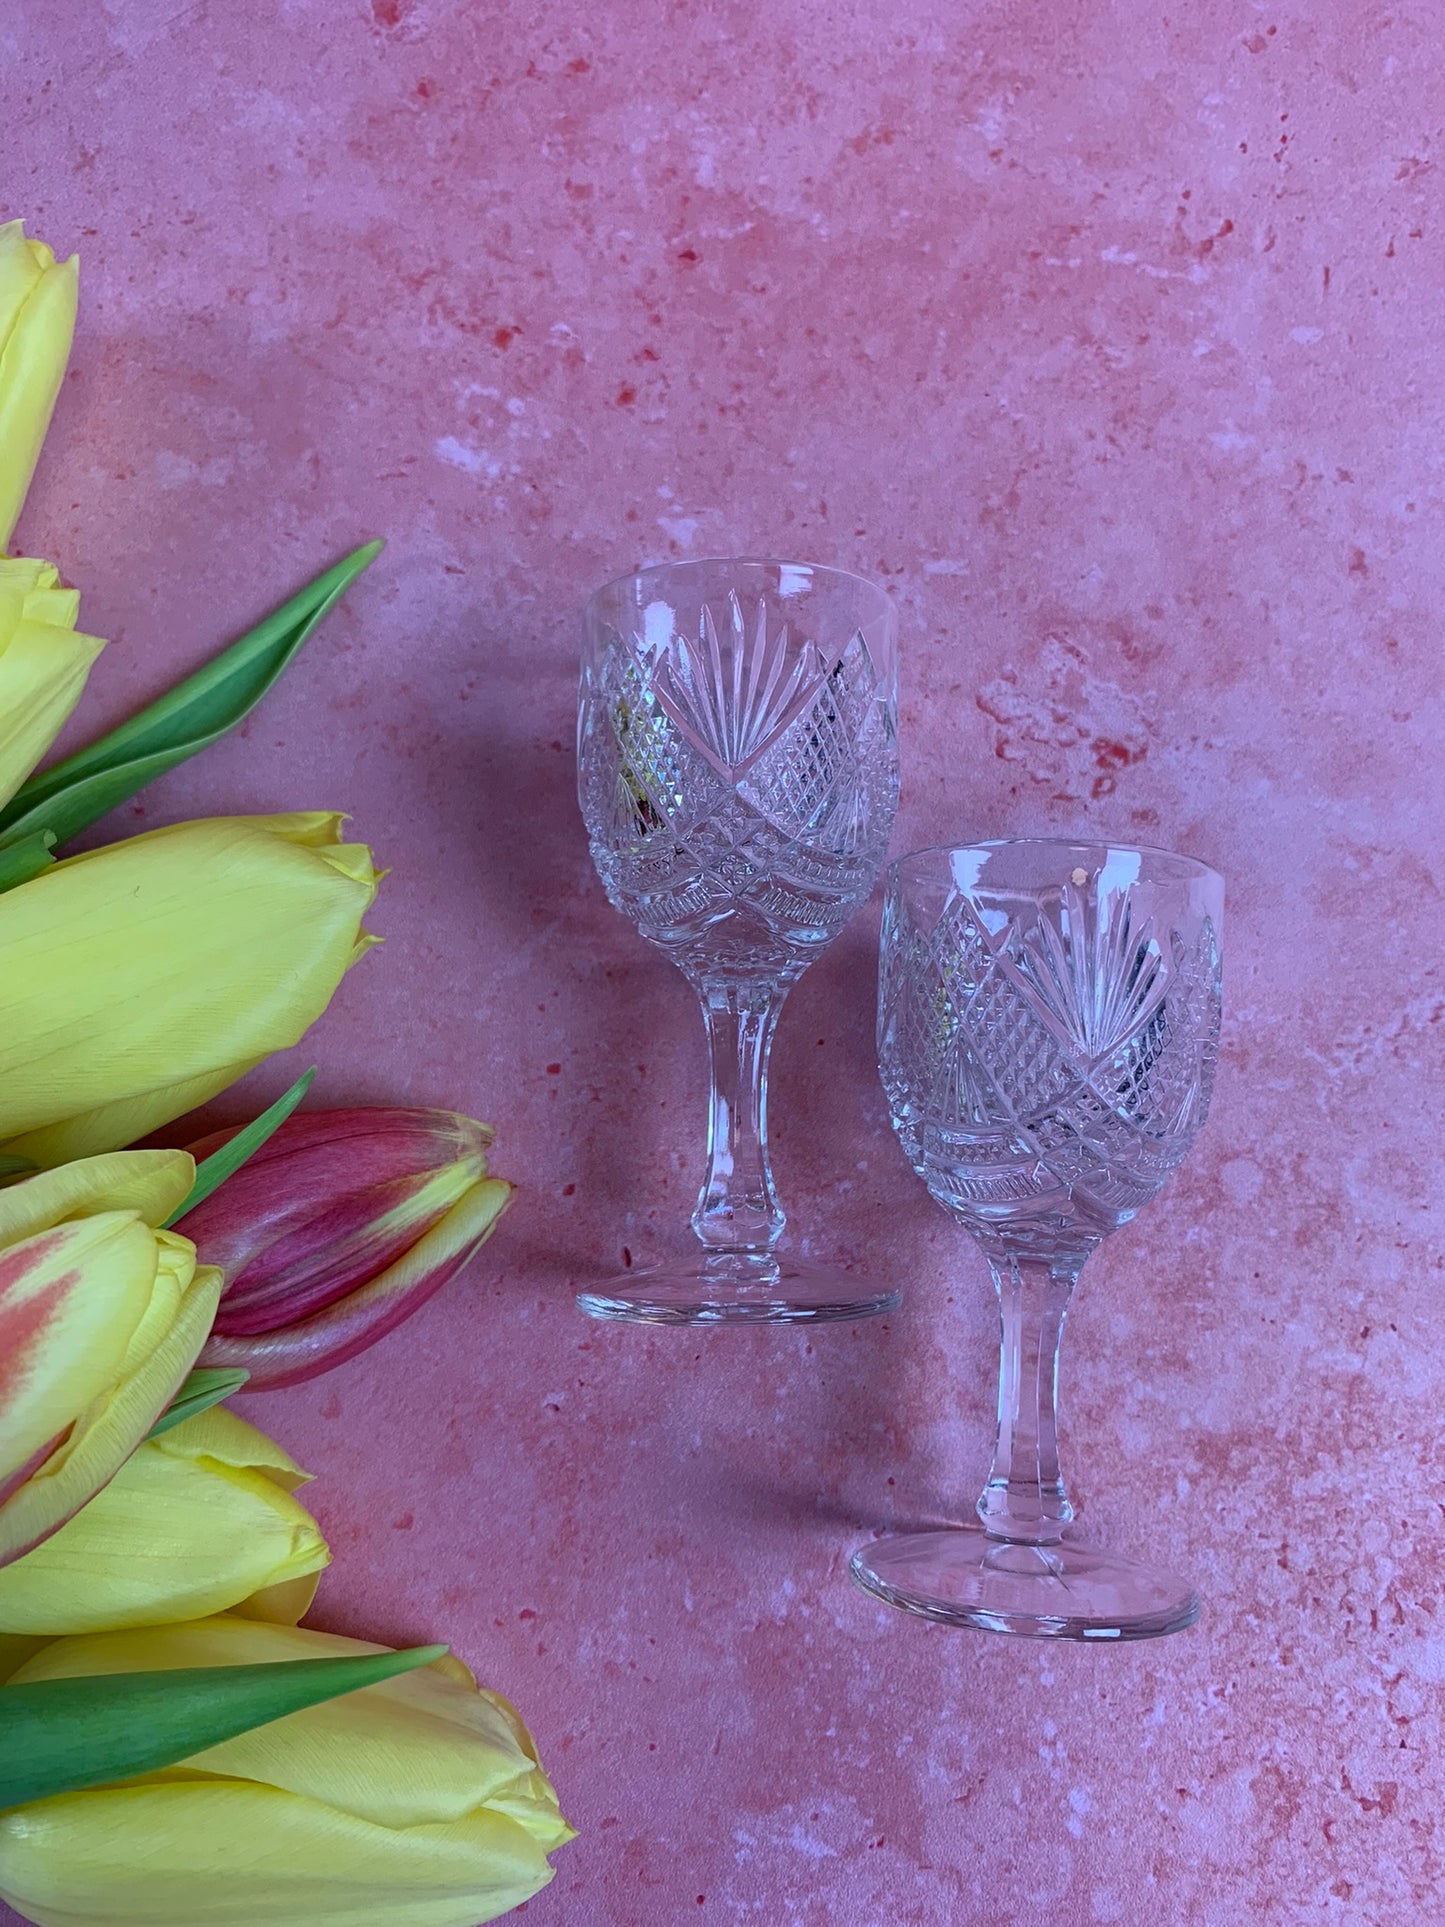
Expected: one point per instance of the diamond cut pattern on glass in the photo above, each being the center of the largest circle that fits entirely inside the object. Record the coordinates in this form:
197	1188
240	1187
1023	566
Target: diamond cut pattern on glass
738	777
1060	1065
660	776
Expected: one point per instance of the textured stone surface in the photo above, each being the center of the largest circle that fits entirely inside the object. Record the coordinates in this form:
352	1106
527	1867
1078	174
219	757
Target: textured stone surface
1108	339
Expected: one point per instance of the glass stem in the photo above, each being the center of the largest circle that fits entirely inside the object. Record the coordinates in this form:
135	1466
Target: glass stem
737	1208
1024	1499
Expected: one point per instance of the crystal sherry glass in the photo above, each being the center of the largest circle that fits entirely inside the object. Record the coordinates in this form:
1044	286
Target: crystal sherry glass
1048	1024
738	773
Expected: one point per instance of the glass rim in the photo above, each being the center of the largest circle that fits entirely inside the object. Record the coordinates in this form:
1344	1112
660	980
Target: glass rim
829	569
1184	866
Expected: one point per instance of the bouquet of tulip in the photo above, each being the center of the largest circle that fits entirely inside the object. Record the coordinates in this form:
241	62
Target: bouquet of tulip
174	1746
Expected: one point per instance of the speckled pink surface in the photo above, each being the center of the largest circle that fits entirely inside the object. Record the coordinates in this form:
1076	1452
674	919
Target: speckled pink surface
1107	338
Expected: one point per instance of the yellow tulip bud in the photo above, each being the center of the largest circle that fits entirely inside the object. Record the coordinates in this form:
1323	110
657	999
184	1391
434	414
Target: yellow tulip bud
197	1521
416	1803
37	320
222	942
43	664
102	1315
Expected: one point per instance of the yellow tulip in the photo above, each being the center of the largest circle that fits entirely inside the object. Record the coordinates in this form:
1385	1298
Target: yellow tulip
37	320
102	1315
199	1520
44	662
141	979
416	1803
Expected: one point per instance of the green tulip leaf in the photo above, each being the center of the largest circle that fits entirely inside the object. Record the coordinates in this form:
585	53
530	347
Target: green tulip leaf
21	861
205	1387
213	1171
58	1735
66	798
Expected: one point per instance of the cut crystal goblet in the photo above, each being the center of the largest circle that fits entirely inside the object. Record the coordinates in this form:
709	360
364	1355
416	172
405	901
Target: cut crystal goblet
1048	1025
738	773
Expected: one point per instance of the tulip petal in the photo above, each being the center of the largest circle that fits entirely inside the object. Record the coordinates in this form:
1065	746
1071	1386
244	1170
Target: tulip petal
378	1142
44	664
71	1301
38	298
149	1183
107	1432
228	1854
228	1439
22	262
31	591
349	1325
177	1533
336	1198
85	1134
284	1604
320	1255
224	940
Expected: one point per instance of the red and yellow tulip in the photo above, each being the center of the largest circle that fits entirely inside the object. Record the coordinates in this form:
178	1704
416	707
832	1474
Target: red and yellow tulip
102	1314
342	1225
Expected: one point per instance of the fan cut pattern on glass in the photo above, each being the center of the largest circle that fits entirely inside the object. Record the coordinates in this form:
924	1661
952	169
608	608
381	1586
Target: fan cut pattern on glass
739	786
1048	1064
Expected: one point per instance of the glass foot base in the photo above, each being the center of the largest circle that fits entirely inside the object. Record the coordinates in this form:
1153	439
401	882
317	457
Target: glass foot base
736	1289
1068	1591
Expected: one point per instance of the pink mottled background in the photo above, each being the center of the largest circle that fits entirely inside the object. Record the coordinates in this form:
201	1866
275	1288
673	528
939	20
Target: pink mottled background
1108	338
